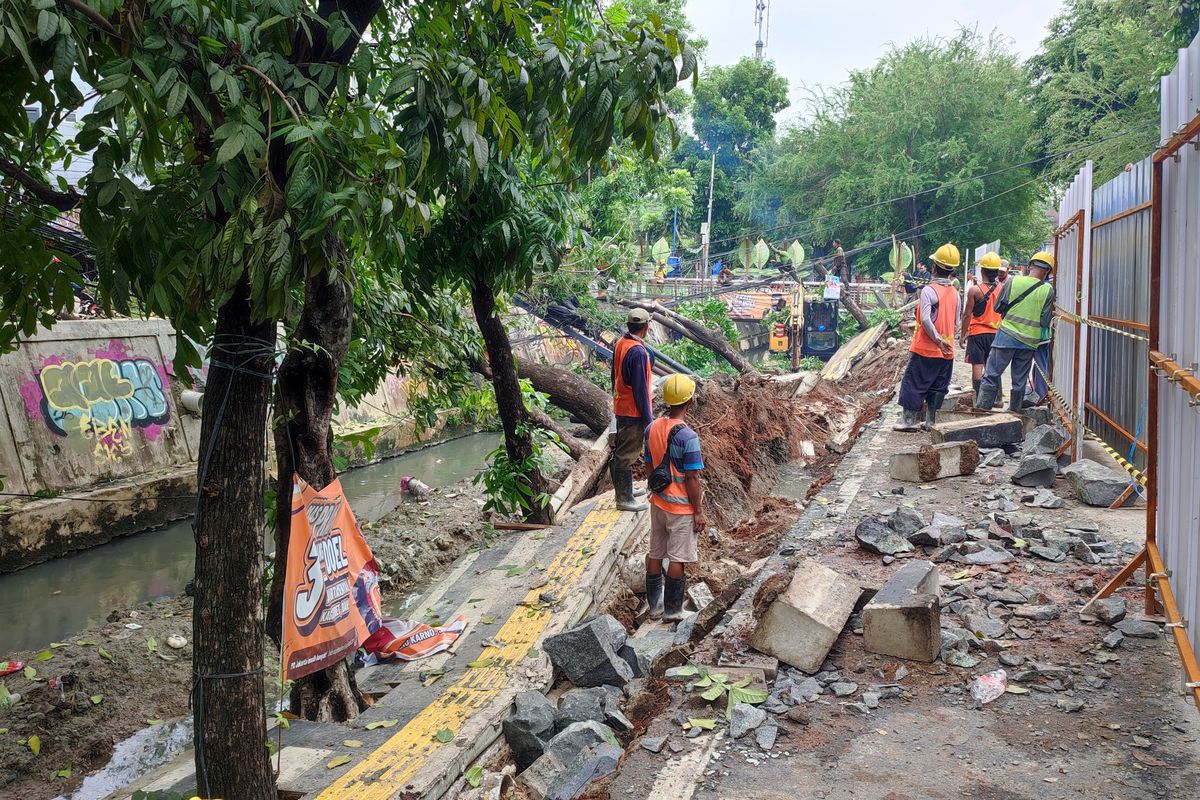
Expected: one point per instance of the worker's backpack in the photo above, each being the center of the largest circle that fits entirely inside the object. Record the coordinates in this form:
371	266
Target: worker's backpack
660	476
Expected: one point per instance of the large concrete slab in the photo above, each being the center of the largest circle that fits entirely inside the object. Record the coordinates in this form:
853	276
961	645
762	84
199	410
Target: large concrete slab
904	617
933	462
986	429
802	624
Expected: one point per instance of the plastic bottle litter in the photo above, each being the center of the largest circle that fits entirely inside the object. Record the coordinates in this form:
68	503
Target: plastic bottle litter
415	488
988	687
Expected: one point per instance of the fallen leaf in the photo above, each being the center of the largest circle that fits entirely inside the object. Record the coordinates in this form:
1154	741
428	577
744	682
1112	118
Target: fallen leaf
56	645
533	653
65	772
30	674
1149	760
431	677
153	722
338	761
444	735
474	777
474	600
104	653
1050	780
34	743
703	724
382	723
961	574
1011	689
152	644
45	655
97	699
514	572
493	642
352	743
487	620
85	643
481	663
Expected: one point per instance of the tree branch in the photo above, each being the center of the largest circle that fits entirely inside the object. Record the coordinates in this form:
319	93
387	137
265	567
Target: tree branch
92	14
63	201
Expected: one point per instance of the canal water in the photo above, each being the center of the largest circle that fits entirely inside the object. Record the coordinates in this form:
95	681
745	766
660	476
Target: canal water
54	601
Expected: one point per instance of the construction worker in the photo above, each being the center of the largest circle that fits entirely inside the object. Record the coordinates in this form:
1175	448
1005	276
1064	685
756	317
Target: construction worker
632	388
841	267
1026	305
927	377
677	512
980	320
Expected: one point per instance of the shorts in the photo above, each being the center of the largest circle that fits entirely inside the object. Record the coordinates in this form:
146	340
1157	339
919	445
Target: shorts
672	537
628	443
978	347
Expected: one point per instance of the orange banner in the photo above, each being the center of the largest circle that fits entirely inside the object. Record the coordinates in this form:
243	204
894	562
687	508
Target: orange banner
331	595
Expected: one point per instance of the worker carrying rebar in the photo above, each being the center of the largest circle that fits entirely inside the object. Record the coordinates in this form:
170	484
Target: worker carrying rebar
980	319
632	388
1026	306
931	361
672	450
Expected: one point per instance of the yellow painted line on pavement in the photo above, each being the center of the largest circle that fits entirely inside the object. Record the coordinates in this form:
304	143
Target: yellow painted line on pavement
384	772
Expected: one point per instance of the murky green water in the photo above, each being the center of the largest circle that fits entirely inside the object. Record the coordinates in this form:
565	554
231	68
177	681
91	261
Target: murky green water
53	601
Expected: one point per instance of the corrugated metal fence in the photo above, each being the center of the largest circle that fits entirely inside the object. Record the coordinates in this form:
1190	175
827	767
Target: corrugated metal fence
1072	251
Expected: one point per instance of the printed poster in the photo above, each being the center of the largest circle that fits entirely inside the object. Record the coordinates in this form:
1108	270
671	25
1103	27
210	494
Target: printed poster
331	595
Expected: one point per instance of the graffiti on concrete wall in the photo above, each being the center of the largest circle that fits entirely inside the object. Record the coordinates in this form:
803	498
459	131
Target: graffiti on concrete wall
101	400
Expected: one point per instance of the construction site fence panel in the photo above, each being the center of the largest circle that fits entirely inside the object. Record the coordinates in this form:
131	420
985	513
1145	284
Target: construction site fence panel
1072	247
1178	423
1119	299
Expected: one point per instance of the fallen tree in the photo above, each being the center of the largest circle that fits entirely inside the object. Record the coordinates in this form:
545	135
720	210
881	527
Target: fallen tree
572	393
698	332
575	446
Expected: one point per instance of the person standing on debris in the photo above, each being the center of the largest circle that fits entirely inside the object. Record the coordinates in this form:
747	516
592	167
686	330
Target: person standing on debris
980	320
1026	306
632	387
927	377
677	510
841	267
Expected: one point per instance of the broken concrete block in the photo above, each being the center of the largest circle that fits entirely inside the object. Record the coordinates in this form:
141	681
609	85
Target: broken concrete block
904	618
1036	469
1044	439
986	430
587	655
633	573
552	778
1084	553
1139	628
1109	610
905	521
640	651
802	624
700	595
744	718
1037	415
875	537
579	705
1094	483
932	462
1048	553
529	727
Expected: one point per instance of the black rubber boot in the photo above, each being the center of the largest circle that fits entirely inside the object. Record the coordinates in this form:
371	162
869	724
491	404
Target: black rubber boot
975	385
1014	401
931	408
673	599
654	595
623	488
910	421
986	397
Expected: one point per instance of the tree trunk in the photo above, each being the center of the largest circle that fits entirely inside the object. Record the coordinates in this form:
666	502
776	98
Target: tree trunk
509	403
227	619
855	311
698	332
307	390
586	474
572	393
574	446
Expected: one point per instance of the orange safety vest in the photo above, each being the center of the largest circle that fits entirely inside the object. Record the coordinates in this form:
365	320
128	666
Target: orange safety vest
989	320
674	499
922	345
623	403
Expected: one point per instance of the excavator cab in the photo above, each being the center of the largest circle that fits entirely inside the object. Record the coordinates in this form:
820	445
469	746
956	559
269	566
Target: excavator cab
820	328
778	342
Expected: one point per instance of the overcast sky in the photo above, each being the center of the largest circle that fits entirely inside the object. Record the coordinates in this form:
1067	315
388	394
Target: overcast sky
818	43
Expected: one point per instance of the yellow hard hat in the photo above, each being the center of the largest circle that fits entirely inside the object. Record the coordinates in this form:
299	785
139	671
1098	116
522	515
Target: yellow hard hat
1043	259
947	256
990	261
678	389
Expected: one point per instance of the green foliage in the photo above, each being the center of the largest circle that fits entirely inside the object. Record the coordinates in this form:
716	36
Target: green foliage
848	328
929	113
812	364
475	408
712	686
704	362
888	316
506	482
1096	77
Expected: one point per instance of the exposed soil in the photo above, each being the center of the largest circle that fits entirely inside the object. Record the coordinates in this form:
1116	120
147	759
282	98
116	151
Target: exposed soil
139	686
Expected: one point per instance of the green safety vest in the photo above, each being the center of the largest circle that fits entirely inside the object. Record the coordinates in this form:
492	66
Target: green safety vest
1024	320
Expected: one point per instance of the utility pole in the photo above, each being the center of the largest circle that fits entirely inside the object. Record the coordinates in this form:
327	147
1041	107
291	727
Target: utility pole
707	232
760	13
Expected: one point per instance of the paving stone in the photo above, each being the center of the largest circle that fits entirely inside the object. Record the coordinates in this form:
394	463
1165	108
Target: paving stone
802	624
1044	439
1011	660
640	652
765	737
876	537
1044	498
1048	553
904	617
870	699
1114	640
529	727
984	625
934	462
1069	705
986	430
744	718
587	654
1109	610
579	705
1094	483
807	690
1043	612
700	595
957	658
843	688
1084	553
985	556
1139	628
1038	415
654	744
1036	469
905	521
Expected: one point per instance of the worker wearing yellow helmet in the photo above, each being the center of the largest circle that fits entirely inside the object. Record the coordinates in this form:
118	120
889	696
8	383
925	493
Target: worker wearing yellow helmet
931	360
980	320
1026	306
676	499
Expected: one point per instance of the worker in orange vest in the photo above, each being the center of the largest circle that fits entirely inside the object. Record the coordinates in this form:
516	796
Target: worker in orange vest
931	363
980	319
632	388
677	507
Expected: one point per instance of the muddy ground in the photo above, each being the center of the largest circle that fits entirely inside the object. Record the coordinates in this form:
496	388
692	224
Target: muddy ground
105	683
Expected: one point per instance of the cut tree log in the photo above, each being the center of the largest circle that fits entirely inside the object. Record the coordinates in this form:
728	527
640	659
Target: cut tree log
698	332
572	393
854	310
581	483
575	446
